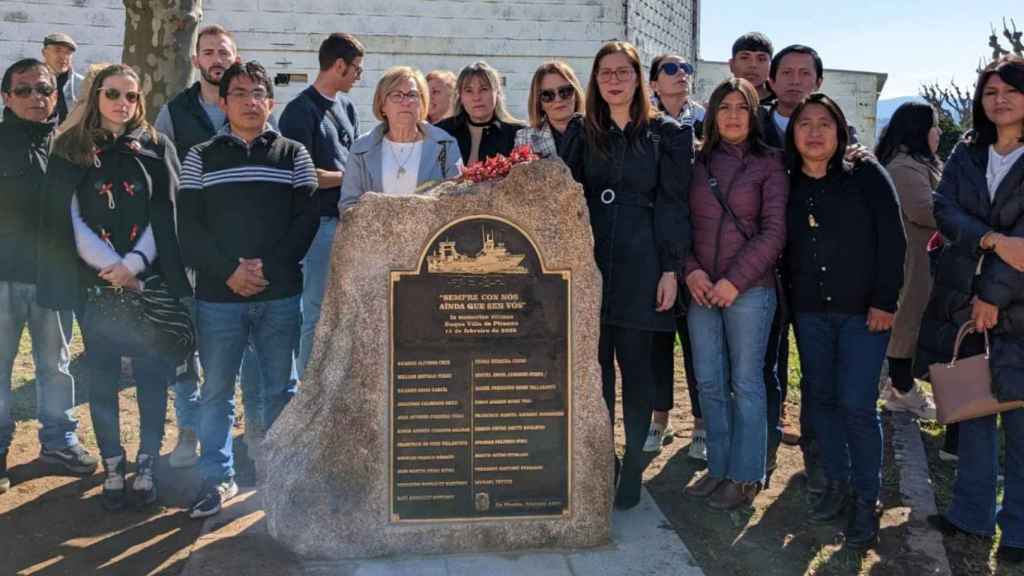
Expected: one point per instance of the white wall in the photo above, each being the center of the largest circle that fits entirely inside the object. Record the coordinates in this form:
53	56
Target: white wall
513	36
855	92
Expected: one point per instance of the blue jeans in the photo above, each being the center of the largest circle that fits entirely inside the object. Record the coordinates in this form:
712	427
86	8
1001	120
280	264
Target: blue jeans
55	389
224	329
842	363
728	348
315	267
974	492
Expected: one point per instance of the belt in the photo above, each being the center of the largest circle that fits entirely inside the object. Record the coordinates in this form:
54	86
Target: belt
609	197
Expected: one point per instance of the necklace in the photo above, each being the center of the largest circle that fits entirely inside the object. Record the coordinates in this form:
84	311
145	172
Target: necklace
401	162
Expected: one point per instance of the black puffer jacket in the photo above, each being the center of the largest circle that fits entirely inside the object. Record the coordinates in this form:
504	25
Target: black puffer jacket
964	214
23	147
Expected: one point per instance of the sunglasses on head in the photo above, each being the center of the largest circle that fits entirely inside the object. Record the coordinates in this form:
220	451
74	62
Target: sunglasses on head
673	68
115	94
25	90
562	93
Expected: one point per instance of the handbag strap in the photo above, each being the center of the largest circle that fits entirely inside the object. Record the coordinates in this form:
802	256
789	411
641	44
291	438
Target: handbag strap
965	330
717	191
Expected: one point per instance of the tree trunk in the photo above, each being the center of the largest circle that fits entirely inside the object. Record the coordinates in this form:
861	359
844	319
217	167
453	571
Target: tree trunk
158	40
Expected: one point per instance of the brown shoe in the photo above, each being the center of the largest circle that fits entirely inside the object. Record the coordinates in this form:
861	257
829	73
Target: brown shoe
732	495
704	487
790	433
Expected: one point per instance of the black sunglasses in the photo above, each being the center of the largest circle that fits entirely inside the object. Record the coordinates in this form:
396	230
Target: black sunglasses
115	94
673	68
25	90
562	93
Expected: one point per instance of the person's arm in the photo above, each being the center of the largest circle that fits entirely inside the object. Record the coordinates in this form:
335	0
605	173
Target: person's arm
890	242
199	248
163	123
759	255
96	252
305	218
299	122
352	186
913	184
955	224
672	207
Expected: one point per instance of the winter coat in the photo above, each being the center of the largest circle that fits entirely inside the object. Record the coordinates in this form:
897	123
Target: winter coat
756	188
498	137
914	180
964	213
22	178
638	214
62	275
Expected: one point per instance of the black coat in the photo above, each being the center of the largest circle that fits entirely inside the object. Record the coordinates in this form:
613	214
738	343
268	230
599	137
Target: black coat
498	137
62	276
23	159
964	214
645	230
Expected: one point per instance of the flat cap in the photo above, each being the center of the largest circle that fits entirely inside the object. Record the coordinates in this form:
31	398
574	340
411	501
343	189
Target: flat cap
60	38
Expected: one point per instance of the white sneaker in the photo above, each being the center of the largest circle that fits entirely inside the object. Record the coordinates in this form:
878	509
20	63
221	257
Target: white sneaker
698	445
657	436
915	401
186	453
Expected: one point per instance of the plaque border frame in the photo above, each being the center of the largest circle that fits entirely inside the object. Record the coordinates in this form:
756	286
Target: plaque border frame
394	276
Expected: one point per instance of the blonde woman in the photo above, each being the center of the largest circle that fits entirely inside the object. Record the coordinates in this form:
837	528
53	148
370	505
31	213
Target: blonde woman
442	86
404	150
556	100
480	123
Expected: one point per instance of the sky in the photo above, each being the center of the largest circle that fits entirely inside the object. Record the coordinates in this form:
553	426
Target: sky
913	41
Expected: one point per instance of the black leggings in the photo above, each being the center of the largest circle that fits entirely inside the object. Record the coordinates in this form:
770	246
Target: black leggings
664	369
634	351
901	373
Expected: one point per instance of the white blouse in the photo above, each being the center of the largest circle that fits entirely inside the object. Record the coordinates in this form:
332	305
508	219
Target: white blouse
400	165
998	167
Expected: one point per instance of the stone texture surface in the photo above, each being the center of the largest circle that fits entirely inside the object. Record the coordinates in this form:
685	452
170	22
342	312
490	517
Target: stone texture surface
326	458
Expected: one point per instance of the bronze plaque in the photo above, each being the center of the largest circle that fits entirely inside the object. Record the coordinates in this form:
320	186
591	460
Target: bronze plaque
480	373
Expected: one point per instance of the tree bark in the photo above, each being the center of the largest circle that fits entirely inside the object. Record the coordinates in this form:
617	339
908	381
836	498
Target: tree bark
158	40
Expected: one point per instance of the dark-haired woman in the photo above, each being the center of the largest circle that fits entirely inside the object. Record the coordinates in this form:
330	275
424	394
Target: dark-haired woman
480	122
635	167
844	263
738	213
109	226
979	208
907	150
671	78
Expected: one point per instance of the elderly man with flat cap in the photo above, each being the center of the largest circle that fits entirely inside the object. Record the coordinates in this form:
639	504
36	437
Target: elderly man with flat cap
58	53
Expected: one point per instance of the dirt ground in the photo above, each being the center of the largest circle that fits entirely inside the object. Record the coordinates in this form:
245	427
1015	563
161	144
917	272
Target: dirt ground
53	524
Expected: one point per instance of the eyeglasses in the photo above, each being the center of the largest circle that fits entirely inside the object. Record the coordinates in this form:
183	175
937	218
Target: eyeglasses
620	74
26	90
398	97
259	94
115	94
562	93
673	68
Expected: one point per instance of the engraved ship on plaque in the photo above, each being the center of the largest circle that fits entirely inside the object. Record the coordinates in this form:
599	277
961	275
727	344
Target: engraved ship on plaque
493	258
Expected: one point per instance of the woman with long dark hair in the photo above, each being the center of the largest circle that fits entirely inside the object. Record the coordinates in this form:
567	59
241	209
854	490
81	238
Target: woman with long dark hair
844	269
908	149
635	167
738	214
979	208
556	99
109	227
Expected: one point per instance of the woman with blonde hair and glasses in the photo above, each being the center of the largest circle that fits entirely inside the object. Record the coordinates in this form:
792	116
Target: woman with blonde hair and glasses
404	150
556	100
108	226
480	123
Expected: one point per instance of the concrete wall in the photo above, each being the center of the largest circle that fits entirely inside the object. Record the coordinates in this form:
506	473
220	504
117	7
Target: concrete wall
284	35
856	92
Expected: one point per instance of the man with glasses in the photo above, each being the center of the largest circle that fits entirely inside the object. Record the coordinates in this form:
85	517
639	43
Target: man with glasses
29	93
247	214
324	120
59	53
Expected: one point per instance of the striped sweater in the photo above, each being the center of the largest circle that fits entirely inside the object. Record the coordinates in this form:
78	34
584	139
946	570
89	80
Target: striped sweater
241	200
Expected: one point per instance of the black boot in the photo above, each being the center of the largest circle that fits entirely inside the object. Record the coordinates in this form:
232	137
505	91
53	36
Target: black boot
862	526
832	503
5	482
630	483
814	474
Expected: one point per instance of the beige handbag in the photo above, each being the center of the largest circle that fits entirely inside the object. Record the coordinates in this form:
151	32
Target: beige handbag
963	388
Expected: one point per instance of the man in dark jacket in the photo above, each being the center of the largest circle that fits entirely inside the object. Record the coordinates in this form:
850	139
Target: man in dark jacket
29	94
324	120
751	60
247	214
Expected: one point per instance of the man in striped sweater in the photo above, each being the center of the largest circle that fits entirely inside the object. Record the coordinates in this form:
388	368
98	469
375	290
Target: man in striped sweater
247	214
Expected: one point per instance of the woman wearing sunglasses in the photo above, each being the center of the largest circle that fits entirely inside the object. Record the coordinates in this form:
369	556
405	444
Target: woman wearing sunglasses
556	99
404	150
634	165
108	225
671	78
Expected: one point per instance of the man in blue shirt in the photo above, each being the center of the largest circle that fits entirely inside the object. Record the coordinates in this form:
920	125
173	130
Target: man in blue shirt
324	120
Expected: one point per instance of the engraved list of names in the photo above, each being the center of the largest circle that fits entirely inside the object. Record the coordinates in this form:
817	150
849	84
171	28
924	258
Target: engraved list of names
480	360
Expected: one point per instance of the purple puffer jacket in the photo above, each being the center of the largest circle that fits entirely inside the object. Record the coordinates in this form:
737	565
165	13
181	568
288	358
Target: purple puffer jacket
758	198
